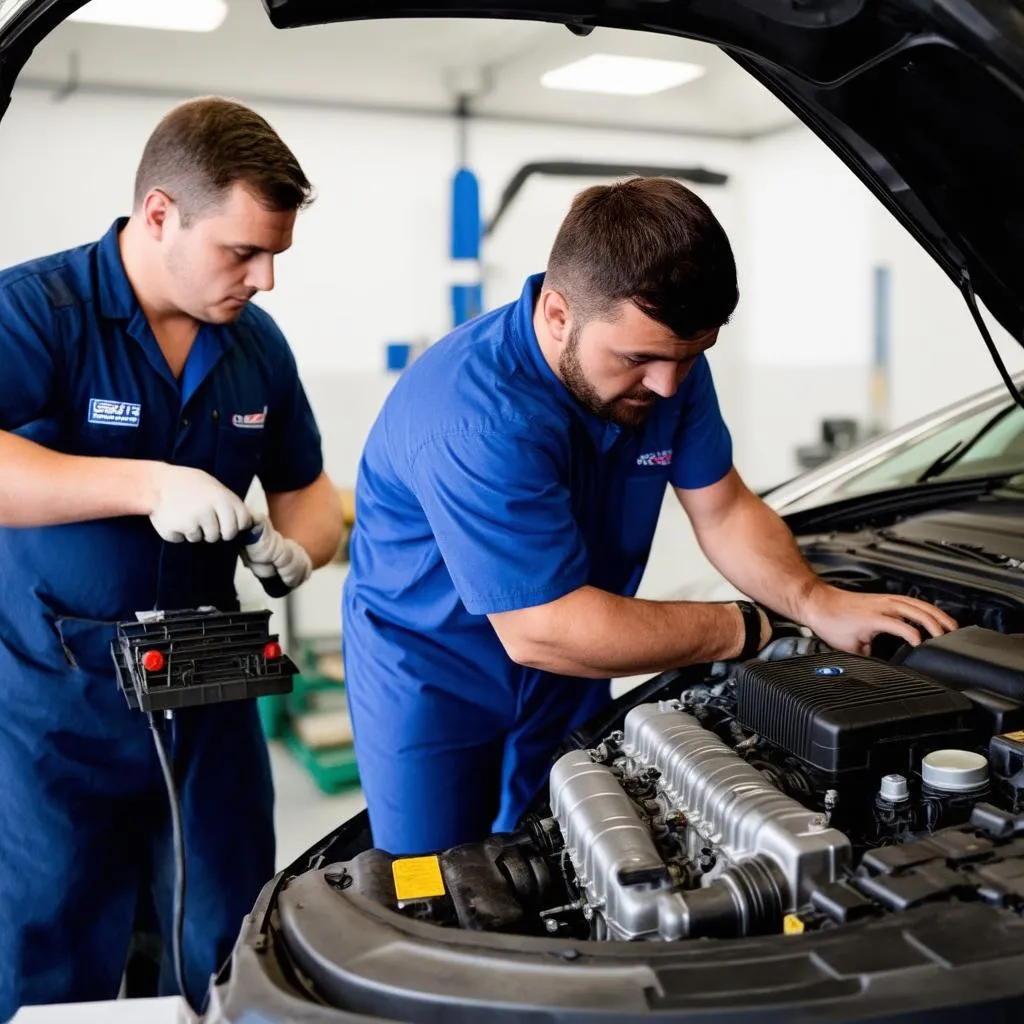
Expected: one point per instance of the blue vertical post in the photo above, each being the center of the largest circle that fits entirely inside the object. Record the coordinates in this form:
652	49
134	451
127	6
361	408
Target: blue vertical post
882	344
467	285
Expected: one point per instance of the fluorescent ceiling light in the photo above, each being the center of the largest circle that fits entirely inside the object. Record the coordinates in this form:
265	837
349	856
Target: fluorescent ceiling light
623	76
173	15
9	8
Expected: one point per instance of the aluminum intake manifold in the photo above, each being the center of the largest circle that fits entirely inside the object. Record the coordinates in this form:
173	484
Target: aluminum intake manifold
776	848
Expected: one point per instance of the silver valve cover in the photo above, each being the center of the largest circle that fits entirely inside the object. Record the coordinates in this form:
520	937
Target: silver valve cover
731	806
731	803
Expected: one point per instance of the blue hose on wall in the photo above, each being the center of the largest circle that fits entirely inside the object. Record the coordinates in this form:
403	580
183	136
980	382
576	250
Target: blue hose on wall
467	286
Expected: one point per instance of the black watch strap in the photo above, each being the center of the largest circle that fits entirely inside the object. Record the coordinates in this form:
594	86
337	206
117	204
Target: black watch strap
752	629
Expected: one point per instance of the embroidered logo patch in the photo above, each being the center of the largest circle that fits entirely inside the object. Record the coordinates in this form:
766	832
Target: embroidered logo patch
662	458
250	420
114	414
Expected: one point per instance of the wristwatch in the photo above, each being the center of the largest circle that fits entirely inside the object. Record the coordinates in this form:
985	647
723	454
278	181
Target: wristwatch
752	629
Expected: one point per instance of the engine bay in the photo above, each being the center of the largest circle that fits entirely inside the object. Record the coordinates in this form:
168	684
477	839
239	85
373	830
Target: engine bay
804	835
800	791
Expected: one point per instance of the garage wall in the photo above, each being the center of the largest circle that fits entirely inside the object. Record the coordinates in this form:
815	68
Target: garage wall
808	299
938	354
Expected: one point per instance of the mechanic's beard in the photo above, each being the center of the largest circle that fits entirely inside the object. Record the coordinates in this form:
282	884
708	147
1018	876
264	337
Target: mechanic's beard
616	410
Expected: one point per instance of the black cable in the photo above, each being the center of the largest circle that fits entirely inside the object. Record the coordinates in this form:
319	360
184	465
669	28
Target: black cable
967	290
178	927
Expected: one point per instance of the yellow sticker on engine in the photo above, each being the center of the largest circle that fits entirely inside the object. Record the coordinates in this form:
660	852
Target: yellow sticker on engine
417	878
1017	737
792	925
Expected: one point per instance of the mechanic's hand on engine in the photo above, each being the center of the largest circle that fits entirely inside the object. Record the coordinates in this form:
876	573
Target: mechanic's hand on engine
849	622
275	555
190	505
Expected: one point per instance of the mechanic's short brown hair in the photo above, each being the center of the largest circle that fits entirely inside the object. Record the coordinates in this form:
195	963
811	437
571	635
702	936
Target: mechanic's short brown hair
205	146
650	241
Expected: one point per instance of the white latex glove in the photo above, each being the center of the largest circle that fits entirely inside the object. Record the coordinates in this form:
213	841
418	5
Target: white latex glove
192	506
274	555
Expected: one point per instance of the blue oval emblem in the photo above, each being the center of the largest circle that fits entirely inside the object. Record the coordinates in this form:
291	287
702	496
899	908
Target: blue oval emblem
829	670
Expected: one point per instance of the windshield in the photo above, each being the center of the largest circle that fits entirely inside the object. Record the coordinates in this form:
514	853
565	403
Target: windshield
9	8
963	448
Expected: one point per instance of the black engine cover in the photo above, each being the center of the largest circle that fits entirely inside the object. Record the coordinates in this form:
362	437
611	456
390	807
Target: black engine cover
843	714
972	658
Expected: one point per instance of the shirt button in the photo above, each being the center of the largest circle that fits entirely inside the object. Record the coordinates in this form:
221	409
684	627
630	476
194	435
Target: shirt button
184	421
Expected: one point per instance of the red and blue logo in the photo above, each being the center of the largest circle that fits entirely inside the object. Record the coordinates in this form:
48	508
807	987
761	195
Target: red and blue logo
662	458
250	420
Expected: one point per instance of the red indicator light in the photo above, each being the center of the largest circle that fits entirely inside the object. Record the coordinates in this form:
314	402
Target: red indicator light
272	651
152	661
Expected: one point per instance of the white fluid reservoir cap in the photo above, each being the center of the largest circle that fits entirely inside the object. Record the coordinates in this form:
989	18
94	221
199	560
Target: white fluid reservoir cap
894	788
955	771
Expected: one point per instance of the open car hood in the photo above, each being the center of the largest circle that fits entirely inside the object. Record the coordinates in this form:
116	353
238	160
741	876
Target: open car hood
922	99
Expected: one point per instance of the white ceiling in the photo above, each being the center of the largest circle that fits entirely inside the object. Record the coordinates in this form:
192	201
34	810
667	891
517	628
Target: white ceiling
408	64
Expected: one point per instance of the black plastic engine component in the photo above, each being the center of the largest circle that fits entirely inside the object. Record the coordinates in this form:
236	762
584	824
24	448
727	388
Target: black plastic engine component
982	860
973	658
178	659
502	884
841	902
999	713
894	819
1006	760
937	809
371	874
747	899
986	666
844	714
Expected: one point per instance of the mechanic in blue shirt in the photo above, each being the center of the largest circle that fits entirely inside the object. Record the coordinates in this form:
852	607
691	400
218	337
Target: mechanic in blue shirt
140	393
506	504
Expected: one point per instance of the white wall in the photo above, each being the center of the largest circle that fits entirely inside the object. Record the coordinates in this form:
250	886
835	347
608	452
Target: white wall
938	354
807	300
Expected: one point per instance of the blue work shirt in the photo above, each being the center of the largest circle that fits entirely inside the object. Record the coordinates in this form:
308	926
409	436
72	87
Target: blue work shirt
81	373
486	487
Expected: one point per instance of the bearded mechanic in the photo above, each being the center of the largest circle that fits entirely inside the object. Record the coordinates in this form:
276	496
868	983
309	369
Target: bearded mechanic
506	504
140	394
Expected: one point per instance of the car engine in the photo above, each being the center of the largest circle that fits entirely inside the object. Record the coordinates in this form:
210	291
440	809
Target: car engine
800	790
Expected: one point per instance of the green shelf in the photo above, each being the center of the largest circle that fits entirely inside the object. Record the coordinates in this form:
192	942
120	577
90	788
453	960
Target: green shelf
333	769
293	717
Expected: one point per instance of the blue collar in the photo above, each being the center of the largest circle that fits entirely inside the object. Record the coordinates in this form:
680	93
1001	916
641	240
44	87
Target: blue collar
603	433
116	298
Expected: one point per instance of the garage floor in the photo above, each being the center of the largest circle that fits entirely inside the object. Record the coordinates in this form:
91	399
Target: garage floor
303	813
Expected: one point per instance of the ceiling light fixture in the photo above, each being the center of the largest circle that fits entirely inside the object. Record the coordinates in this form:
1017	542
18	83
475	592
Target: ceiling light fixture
171	15
622	76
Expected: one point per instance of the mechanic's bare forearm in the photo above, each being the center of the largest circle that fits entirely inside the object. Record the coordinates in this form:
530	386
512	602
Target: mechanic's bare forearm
594	634
755	551
40	487
311	517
